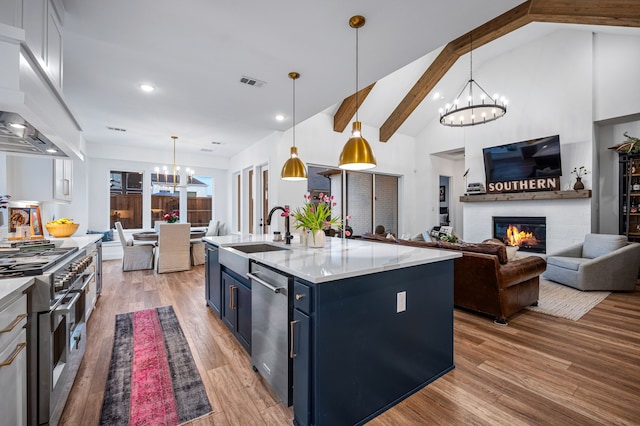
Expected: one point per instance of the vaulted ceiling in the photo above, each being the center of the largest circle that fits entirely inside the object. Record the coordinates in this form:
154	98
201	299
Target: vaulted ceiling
586	12
196	51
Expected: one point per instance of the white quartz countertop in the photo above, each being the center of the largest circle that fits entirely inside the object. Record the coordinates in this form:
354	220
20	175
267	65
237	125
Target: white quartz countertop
81	241
12	286
338	259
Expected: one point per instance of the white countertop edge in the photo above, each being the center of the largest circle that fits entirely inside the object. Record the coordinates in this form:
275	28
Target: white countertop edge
81	241
9	287
339	259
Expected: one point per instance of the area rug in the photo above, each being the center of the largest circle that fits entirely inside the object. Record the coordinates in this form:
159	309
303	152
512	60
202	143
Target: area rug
565	302
152	379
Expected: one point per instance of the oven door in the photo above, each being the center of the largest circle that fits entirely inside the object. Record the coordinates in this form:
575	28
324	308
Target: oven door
61	347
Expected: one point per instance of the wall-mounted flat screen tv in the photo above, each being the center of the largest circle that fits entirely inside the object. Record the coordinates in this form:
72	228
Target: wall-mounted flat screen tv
523	160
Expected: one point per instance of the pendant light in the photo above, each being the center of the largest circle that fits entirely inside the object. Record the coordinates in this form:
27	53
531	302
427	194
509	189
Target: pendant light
357	153
294	168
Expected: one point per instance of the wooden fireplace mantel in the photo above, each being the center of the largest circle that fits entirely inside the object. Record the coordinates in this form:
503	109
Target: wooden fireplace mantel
521	196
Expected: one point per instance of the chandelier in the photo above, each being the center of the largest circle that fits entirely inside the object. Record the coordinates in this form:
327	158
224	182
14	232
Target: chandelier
478	107
171	178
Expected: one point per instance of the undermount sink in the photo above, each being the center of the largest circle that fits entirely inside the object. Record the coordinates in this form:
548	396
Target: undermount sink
257	248
235	256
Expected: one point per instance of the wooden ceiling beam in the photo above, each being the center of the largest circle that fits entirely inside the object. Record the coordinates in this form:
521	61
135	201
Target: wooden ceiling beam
497	27
348	108
587	12
619	13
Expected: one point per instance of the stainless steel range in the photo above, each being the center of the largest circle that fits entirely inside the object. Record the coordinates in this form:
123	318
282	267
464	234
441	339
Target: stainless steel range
56	327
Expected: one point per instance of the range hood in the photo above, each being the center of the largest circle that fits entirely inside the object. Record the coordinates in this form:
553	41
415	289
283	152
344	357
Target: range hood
19	137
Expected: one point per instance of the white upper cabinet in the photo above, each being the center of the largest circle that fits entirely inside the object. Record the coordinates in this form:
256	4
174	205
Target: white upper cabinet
40	179
34	23
42	22
54	45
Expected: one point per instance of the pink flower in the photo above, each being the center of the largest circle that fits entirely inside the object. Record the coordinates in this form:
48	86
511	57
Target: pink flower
312	210
334	204
326	223
347	233
348	216
332	197
321	195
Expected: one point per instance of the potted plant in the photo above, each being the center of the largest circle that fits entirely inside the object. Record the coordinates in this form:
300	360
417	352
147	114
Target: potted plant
579	172
317	217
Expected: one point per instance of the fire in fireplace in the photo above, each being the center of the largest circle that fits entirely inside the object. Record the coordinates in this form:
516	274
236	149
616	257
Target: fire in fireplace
529	233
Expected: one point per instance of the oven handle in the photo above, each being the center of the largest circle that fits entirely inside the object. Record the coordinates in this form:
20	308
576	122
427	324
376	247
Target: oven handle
66	308
86	279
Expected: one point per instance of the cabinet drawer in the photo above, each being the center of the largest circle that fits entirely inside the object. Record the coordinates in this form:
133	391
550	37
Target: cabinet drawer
302	297
13	379
13	318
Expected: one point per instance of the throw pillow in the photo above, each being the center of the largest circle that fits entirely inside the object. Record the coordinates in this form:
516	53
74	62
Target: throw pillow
511	250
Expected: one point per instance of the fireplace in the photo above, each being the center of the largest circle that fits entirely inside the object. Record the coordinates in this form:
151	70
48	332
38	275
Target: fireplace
527	232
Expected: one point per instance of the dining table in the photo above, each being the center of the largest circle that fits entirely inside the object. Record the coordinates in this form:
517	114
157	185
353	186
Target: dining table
153	235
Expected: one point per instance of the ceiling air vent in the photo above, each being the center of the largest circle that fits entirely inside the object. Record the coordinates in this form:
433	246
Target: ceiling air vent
252	81
206	150
116	129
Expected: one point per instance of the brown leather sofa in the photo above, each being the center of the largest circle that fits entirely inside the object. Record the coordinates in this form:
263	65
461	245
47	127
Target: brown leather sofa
484	280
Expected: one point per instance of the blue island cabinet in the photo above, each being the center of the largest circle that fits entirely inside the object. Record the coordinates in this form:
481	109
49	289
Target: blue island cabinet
358	349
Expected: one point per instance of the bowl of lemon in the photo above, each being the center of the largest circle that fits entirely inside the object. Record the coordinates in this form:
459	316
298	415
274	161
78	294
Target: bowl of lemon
62	228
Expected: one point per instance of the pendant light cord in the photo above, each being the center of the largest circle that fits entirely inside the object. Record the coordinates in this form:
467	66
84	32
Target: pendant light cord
357	75
174	164
471	67
294	112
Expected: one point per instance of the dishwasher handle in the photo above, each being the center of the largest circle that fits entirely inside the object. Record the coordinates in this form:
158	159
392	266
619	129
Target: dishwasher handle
254	277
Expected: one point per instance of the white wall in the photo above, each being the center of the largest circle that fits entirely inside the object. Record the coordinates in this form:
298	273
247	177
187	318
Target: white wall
318	144
616	66
549	85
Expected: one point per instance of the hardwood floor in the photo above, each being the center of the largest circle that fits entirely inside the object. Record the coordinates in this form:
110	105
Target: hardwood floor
537	370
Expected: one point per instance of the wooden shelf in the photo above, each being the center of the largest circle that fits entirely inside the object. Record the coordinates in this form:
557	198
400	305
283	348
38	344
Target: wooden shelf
522	196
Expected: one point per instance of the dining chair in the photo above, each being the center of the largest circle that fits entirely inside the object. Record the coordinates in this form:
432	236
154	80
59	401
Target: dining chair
173	252
135	257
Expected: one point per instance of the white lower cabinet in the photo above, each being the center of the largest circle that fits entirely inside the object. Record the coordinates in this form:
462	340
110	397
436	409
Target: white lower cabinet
13	377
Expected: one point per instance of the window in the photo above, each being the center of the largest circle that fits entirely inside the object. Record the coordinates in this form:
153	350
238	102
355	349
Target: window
126	199
199	201
166	199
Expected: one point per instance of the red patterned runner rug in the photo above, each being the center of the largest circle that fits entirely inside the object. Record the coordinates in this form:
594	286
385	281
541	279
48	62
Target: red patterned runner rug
152	377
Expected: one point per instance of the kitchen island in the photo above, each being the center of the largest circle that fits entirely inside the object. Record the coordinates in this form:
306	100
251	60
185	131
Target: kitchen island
371	324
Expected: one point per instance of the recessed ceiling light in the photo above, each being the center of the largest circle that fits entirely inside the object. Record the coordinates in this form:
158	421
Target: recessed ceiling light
18	126
280	117
147	88
51	150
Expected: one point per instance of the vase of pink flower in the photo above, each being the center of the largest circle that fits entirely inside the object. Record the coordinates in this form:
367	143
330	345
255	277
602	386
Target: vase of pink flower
171	217
316	217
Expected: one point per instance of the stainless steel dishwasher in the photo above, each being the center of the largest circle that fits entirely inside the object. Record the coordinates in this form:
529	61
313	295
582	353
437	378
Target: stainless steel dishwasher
271	314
